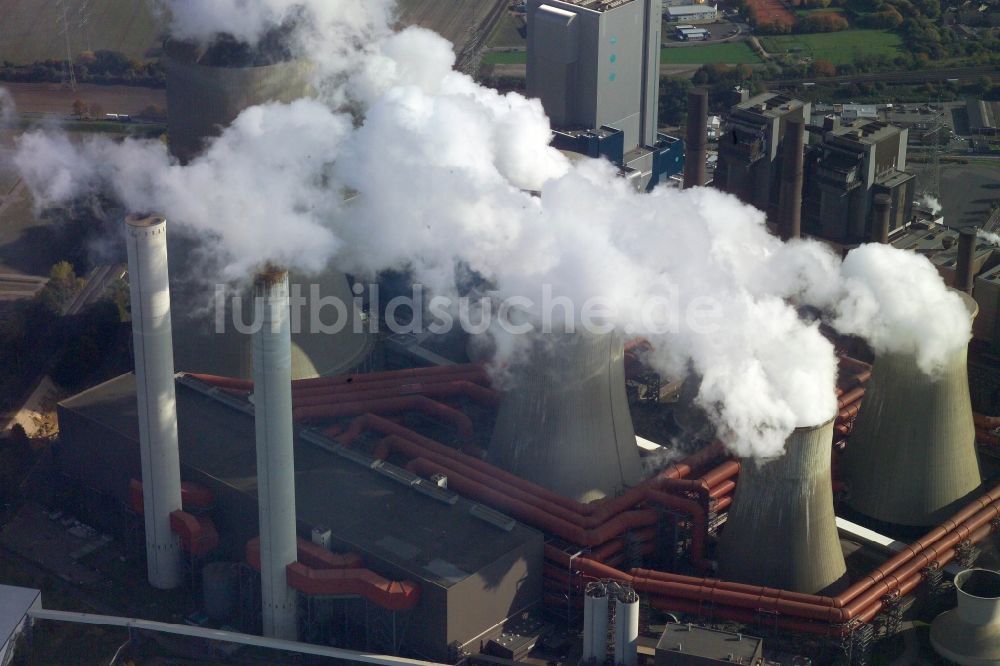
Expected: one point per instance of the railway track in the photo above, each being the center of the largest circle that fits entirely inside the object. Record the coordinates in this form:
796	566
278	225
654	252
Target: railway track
906	76
469	55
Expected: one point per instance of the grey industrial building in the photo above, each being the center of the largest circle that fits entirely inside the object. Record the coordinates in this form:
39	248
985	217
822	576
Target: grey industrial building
749	165
595	66
845	170
475	568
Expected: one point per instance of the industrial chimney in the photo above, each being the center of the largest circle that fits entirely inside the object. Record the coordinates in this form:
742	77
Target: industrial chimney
696	151
911	459
883	210
970	633
275	452
154	380
781	530
565	423
792	166
965	273
626	626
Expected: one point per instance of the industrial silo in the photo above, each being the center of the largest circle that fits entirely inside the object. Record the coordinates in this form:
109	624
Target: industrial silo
781	530
208	86
564	423
911	459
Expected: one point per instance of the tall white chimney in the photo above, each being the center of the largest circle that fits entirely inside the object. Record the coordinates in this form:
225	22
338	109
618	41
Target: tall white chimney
146	239
272	364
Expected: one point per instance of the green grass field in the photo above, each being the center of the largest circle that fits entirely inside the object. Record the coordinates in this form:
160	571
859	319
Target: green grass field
731	53
31	30
505	58
837	47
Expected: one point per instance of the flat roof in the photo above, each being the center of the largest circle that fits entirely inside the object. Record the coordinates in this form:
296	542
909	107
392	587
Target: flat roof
681	10
597	5
15	602
366	509
768	105
708	643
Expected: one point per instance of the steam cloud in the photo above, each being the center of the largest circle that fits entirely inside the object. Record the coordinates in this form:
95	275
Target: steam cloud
8	110
441	166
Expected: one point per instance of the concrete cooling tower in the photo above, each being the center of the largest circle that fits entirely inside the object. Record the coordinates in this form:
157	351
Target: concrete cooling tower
208	87
565	423
202	346
781	531
911	459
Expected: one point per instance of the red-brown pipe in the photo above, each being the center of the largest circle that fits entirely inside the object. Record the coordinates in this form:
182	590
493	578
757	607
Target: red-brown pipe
411	385
407	373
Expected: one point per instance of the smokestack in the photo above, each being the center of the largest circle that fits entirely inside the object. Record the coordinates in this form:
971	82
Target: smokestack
911	459
626	626
792	164
880	229
275	451
154	379
595	623
696	154
781	530
965	273
565	422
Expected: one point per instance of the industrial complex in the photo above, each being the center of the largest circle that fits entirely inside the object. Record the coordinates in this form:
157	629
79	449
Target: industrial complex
348	496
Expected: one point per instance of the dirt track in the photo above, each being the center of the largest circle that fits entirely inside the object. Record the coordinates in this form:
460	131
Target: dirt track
47	98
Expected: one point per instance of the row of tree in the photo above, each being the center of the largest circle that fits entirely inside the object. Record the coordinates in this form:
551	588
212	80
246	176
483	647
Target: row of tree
103	67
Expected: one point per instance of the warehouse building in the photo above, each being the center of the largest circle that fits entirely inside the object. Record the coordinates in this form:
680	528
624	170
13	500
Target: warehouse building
692	13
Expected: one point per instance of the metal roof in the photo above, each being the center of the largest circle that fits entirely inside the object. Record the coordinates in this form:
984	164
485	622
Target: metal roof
15	602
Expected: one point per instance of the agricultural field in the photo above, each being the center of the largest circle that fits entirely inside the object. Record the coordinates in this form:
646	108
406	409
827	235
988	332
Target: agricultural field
730	53
505	58
510	32
456	20
32	30
837	47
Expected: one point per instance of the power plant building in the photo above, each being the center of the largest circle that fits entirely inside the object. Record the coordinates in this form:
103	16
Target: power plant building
473	569
845	171
749	165
595	66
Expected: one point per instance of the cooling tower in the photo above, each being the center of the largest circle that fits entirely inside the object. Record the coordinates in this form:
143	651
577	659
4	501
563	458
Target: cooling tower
216	342
781	531
275	453
911	459
146	240
208	87
565	424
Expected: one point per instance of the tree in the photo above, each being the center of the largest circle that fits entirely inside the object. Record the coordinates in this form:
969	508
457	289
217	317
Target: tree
61	286
96	111
673	100
79	107
820	68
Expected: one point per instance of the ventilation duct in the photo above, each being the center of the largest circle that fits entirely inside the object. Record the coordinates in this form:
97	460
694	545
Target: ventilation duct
781	531
275	453
970	633
911	459
146	240
565	423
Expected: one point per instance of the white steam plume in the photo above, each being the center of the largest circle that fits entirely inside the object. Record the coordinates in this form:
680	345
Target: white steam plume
990	237
441	166
931	203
